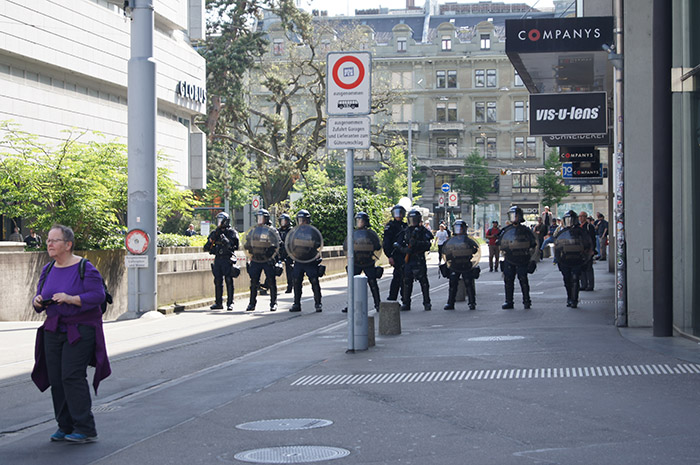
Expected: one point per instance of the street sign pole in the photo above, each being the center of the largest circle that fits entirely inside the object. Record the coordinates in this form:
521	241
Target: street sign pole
349	170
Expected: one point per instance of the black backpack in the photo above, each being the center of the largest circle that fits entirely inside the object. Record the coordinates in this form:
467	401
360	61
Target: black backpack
81	272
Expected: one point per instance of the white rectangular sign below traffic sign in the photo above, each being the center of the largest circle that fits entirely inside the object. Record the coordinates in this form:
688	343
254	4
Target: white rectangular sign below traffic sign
136	261
348	133
348	83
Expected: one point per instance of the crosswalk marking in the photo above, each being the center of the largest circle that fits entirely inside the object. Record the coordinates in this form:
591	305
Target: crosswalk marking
498	374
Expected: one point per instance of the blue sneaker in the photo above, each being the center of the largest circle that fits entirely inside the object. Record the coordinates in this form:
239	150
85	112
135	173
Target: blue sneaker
78	438
58	436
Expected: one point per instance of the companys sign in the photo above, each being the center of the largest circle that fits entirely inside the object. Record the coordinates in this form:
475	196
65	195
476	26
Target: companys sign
579	154
558	34
568	113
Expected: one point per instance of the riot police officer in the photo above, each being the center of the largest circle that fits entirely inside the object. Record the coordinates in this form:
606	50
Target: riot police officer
304	243
392	230
285	225
365	247
518	246
222	243
262	243
413	242
573	249
462	256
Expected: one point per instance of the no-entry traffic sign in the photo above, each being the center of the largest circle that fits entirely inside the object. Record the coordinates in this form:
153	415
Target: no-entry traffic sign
348	83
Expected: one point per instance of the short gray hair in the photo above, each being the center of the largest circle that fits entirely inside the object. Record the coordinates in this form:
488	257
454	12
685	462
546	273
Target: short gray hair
68	234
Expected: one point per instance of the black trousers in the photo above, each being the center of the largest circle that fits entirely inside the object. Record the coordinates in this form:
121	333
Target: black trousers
67	369
396	280
311	271
572	276
469	284
371	273
222	269
510	271
255	270
587	276
415	270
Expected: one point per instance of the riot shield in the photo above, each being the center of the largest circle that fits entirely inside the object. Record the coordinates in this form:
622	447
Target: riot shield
366	246
570	248
516	245
262	243
304	243
461	253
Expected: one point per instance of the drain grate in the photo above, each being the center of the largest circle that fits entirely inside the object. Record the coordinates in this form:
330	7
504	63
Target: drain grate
292	454
284	424
495	338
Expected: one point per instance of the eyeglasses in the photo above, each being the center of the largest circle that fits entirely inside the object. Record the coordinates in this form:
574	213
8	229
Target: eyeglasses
53	241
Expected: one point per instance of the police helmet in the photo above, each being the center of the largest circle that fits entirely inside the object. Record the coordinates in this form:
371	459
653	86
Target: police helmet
398	211
414	218
303	217
263	216
515	215
284	220
361	220
570	219
223	220
460	227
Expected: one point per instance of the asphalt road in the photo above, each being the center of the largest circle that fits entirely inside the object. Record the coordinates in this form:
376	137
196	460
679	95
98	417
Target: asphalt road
549	385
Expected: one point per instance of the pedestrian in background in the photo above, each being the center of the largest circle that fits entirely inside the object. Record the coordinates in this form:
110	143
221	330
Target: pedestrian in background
16	236
441	237
601	229
33	240
491	235
70	338
190	231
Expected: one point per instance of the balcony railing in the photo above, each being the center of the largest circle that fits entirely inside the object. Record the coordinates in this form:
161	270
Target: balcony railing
446	126
402	127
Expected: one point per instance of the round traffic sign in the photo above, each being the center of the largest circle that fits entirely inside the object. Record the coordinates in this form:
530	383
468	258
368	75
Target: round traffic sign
446	188
137	241
441	201
453	197
256	203
350	79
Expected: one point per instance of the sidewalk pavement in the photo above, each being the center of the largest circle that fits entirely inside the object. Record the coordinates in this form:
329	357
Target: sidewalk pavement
550	384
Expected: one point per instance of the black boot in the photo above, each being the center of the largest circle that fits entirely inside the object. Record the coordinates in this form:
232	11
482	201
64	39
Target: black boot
425	290
510	290
316	288
471	293
406	292
297	295
525	287
451	296
273	295
218	296
374	289
229	291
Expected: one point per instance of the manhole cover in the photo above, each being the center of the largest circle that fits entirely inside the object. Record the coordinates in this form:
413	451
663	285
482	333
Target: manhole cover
292	454
495	338
285	424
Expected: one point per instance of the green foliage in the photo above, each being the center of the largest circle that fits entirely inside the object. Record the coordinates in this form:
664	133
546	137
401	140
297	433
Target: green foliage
550	183
228	176
475	182
328	208
83	185
392	179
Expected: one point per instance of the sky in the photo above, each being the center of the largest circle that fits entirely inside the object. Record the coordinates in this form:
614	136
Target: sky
345	7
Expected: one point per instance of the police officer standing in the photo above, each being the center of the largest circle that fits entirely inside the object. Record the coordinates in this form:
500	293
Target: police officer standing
365	247
462	255
519	247
392	230
262	243
222	243
285	225
573	250
304	243
413	242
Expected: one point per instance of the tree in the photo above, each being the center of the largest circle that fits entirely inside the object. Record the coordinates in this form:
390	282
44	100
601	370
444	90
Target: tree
328	208
274	104
228	176
550	183
392	179
80	184
475	182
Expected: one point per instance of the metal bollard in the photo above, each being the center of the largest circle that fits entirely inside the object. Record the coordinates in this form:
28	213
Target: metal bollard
360	320
389	318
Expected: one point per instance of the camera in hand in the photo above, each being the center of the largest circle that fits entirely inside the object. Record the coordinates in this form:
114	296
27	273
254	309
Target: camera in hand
46	302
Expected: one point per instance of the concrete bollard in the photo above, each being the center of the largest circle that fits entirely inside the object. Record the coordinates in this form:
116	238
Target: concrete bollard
389	318
370	326
461	292
361	329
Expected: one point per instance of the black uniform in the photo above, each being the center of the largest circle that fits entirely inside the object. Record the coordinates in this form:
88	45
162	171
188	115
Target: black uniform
413	243
263	258
364	260
285	258
573	249
304	243
461	266
517	243
222	243
392	231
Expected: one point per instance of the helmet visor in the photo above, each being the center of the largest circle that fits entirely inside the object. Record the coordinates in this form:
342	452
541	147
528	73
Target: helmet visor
414	220
459	229
284	222
568	221
360	223
397	213
261	220
513	217
303	220
220	220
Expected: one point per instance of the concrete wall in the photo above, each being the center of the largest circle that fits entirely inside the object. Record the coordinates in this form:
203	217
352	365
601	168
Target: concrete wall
638	114
184	274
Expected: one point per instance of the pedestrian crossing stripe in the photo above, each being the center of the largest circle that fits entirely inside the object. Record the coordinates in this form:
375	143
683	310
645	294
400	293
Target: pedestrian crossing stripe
515	373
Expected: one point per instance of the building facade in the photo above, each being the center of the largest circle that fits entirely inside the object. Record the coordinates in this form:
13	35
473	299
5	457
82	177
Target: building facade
63	65
459	94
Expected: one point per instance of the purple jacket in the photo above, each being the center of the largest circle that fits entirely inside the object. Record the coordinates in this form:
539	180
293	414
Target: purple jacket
64	317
